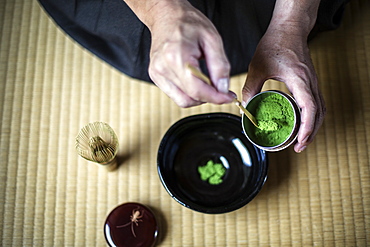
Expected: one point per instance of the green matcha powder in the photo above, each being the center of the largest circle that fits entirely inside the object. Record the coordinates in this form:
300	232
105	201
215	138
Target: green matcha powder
275	117
212	172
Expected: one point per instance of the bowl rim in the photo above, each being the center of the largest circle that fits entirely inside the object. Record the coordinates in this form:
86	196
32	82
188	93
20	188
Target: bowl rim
293	134
263	167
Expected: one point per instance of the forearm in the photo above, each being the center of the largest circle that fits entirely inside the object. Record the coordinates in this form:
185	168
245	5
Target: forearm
297	16
150	11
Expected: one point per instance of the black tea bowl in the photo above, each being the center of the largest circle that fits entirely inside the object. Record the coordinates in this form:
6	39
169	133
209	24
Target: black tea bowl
218	137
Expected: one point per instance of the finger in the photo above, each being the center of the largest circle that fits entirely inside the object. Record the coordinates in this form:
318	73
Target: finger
309	109
321	105
201	91
171	89
182	87
304	141
216	59
322	114
253	85
176	94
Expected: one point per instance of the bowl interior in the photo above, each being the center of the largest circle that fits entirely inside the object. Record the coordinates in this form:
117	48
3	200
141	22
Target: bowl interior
252	106
195	140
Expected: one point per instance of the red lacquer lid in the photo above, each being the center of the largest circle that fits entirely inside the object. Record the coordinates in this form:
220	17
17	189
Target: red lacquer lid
131	225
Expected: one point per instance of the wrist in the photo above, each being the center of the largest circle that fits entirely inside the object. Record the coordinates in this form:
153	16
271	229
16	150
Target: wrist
152	11
296	17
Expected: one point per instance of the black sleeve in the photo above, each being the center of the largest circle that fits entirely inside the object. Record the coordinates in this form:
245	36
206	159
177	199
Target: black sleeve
111	31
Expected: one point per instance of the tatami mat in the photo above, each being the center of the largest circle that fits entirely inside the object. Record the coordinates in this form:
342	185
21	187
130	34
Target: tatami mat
50	87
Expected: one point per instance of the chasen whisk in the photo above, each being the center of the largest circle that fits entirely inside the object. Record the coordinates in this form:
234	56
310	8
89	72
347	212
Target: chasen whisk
97	142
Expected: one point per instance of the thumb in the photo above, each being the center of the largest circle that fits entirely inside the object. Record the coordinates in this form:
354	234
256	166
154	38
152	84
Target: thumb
253	85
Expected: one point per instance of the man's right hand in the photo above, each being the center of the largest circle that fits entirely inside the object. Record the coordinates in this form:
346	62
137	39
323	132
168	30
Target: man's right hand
181	34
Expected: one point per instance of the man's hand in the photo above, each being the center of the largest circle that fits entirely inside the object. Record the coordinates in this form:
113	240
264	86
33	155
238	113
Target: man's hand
181	34
283	54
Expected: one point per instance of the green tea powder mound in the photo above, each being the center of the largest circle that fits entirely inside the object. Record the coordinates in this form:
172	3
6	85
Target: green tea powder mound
212	172
275	117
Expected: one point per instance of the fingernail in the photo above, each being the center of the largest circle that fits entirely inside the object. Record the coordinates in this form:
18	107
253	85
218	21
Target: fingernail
223	85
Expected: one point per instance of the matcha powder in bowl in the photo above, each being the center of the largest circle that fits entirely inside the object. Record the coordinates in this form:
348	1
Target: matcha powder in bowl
278	119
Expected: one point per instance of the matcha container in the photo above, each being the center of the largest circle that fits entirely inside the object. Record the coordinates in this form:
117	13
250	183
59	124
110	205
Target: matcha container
278	117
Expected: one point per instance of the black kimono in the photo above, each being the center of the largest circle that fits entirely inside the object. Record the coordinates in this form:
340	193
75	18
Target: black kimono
111	30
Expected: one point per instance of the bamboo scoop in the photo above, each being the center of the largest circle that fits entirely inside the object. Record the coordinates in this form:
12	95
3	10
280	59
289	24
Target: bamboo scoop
205	78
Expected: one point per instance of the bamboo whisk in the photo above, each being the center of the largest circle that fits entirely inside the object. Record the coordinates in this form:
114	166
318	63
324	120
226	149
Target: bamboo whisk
97	142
